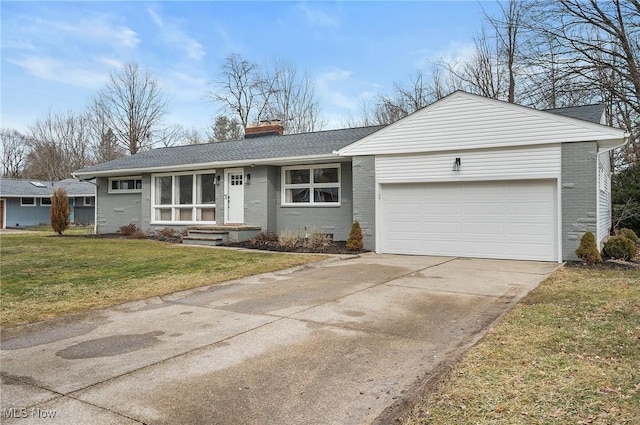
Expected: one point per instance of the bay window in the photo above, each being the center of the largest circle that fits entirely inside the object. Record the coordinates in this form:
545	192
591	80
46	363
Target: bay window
311	185
185	197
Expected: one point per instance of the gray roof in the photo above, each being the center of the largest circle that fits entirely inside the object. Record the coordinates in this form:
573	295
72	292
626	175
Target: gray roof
12	188
256	148
318	143
590	113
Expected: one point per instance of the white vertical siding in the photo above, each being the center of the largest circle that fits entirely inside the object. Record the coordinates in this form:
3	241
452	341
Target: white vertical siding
494	164
604	197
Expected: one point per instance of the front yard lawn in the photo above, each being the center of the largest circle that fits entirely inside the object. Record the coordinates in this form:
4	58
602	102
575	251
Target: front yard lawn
569	353
44	276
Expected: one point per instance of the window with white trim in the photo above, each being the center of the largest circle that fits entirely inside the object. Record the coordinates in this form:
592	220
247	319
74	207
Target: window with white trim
45	202
311	185
27	202
184	197
125	184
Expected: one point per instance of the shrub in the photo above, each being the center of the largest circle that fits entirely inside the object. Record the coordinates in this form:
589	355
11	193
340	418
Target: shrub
128	230
266	237
168	232
59	210
629	234
317	239
289	238
619	248
138	234
588	250
354	243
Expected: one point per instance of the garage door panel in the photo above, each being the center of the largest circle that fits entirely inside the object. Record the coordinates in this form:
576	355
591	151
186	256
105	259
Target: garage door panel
513	219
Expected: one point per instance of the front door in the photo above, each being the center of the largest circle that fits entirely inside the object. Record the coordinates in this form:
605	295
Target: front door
234	196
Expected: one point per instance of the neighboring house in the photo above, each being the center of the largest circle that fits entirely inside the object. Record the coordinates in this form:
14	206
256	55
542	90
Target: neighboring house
25	203
465	176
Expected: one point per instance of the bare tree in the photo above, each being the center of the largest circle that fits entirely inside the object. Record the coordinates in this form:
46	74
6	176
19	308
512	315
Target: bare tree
242	91
132	104
59	144
293	100
14	153
604	39
193	136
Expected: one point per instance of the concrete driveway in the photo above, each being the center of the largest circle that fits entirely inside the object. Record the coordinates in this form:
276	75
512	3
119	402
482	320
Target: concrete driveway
341	342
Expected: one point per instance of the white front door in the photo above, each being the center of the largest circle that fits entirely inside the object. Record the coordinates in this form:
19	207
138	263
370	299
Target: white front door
234	196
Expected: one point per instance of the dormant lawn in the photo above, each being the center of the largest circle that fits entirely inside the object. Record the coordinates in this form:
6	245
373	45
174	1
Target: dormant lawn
568	354
45	276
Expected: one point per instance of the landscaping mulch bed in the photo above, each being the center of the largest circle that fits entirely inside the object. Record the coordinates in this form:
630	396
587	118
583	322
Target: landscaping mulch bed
335	247
606	264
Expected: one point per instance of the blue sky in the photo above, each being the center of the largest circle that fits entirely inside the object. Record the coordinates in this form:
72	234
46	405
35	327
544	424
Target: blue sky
55	56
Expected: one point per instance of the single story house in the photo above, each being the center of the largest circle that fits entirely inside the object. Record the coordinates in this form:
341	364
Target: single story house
26	203
465	176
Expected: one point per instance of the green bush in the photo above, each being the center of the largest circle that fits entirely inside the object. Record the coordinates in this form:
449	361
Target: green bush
588	250
354	243
619	248
629	234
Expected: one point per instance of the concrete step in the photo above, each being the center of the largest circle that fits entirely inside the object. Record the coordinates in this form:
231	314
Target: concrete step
209	241
209	234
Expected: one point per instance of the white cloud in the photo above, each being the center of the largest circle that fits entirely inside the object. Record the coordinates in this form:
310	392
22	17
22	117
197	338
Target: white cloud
52	69
317	17
171	33
454	53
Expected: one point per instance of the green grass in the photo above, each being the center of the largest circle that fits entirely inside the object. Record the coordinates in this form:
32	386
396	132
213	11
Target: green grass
44	276
570	353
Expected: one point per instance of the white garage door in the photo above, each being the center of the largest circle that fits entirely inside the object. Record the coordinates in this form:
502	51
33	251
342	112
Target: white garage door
511	219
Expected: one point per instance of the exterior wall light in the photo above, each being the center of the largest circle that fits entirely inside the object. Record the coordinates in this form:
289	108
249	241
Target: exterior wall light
456	165
248	178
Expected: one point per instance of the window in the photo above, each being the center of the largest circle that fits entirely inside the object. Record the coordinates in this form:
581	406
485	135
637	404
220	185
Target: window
125	185
311	185
27	202
188	198
88	201
45	201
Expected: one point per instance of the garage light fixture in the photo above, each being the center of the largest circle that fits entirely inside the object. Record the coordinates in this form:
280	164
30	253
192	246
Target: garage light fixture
456	165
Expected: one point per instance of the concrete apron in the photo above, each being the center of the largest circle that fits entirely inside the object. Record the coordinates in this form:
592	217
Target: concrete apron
333	343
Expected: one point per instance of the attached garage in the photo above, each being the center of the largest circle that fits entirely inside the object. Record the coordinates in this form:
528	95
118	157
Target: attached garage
501	219
469	176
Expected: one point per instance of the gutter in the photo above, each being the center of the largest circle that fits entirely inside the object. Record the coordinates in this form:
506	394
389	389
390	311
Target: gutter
203	165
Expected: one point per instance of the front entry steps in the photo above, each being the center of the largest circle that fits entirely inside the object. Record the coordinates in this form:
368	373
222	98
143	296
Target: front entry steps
218	235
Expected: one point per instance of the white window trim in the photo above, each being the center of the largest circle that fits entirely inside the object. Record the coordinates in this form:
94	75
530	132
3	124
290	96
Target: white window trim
85	203
35	201
175	206
43	204
311	167
117	191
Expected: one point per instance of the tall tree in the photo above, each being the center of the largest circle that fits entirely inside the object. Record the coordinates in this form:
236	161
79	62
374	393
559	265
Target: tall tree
14	153
293	99
604	40
59	144
132	104
107	148
242	90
